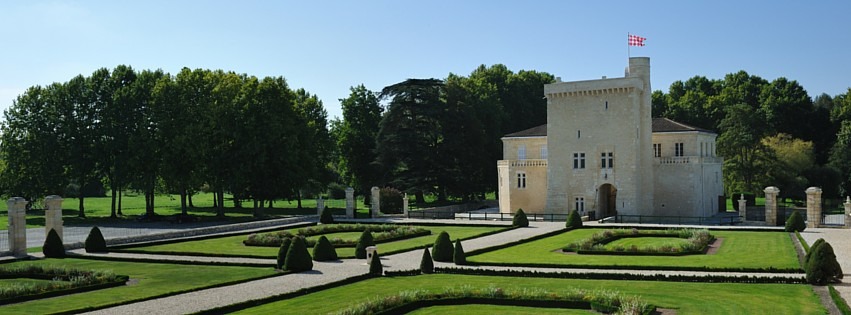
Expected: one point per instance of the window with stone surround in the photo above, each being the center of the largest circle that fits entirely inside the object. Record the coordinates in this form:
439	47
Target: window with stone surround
607	160
544	152
521	180
678	149
578	160
579	205
657	150
521	152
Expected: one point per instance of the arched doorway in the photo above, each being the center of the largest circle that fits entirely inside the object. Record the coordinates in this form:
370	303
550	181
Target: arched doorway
606	201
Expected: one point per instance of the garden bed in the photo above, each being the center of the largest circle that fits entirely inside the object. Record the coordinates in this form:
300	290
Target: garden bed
62	280
696	242
382	234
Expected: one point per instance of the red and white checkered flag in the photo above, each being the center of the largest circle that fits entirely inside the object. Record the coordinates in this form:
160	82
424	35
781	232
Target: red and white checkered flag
635	40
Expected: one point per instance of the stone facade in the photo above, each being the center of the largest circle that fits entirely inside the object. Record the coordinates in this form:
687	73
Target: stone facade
600	151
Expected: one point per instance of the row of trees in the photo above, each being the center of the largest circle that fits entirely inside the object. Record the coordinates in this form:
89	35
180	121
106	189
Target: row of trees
438	137
152	131
770	133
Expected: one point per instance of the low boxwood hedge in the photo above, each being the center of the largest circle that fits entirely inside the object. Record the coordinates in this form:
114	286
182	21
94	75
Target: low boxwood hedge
382	233
65	281
698	242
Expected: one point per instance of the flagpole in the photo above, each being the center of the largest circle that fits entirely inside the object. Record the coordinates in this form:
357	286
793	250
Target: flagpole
628	53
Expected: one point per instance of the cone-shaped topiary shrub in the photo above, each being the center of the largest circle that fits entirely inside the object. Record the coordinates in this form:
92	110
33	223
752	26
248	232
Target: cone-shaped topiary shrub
812	250
795	222
459	257
520	219
426	264
443	251
282	252
574	221
364	241
822	267
325	217
95	242
324	250
375	267
53	247
298	258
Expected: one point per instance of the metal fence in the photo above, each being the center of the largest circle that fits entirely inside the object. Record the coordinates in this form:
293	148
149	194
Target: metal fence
482	216
679	220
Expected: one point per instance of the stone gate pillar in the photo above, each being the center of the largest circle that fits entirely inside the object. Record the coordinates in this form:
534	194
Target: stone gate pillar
320	205
53	215
743	207
847	212
405	205
771	193
376	200
813	207
17	225
350	202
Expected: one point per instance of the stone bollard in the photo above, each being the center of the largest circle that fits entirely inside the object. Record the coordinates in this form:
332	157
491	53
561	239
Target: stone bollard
848	212
320	205
771	193
17	226
53	215
350	202
405	205
743	207
813	207
376	200
370	250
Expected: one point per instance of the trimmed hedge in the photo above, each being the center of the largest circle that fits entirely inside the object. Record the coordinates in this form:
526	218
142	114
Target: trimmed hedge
443	250
375	267
282	253
822	267
614	276
95	242
325	217
520	219
458	256
364	241
638	267
699	241
795	222
324	250
53	247
574	220
426	264
839	301
386	233
298	259
71	281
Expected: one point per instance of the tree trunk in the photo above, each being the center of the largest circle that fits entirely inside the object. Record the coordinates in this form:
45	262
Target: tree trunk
270	203
183	202
112	205
119	202
219	202
191	205
420	198
82	213
298	197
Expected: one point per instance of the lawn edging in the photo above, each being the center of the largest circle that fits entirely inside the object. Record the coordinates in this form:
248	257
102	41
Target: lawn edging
517	242
631	267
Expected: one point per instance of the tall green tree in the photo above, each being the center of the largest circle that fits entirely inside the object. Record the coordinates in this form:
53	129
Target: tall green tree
120	118
315	144
745	157
356	138
840	156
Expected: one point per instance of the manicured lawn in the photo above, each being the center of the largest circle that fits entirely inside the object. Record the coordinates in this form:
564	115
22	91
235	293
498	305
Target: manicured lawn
485	309
687	298
153	280
5	283
232	245
645	242
738	250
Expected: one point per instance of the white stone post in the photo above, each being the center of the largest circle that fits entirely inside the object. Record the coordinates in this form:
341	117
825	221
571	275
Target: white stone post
743	207
405	205
376	200
17	226
320	205
53	215
813	207
350	202
771	193
848	212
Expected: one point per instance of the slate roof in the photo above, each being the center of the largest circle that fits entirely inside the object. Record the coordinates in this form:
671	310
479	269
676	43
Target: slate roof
659	125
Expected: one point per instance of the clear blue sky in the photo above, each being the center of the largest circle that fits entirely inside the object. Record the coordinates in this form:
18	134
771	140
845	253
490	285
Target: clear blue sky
328	46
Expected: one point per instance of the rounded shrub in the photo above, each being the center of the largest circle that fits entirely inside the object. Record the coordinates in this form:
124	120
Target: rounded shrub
282	252
426	264
795	222
520	219
812	250
574	221
822	267
391	200
459	258
325	217
375	267
443	250
53	247
364	241
324	250
298	258
95	242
